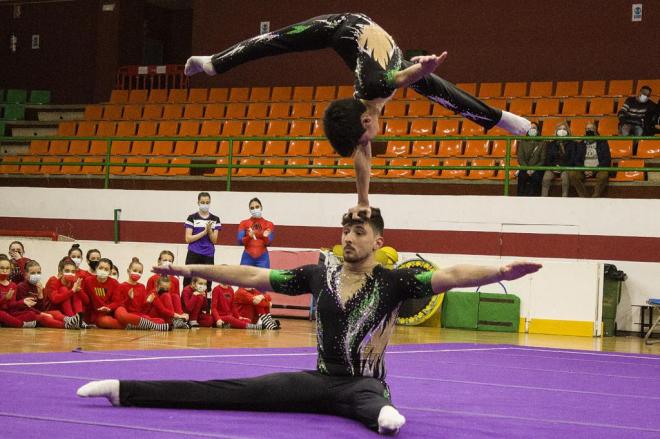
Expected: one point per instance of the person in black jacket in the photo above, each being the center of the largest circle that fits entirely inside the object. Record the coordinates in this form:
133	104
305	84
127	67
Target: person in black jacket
558	153
590	154
635	113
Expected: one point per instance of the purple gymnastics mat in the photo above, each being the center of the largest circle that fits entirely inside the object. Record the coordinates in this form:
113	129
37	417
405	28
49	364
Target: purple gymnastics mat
444	391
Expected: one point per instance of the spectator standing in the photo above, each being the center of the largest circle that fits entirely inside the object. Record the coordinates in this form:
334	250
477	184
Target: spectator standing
202	229
255	234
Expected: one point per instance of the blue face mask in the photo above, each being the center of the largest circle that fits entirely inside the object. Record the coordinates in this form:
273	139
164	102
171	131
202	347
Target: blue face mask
204	207
34	279
256	213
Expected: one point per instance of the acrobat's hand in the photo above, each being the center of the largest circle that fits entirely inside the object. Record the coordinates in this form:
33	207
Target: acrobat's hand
518	269
360	212
173	270
429	62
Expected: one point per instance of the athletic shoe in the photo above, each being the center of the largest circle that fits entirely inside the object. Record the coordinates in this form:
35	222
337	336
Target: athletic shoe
72	322
180	324
193	324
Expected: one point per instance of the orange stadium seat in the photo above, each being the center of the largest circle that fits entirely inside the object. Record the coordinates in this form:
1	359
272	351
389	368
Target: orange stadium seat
396	127
400	173
419	108
540	89
549	125
299	147
248	172
322	148
377	161
184	147
260	94
188	129
219	172
255	128
325	93
653	83
157	96
501	174
215	111
301	109
450	148
58	147
300	128
345	91
601	106
151	112
206	148
257	110
132	112
648	149
574	106
50	166
89	168
279	110
567	88
395	109
630	175
252	147
239	94
547	107
30	169
119	96
496	103
322	161
137	96
275	148
303	94
397	148
211	128
68	128
281	94
621	148
345	172
68	167
39	147
421	127
297	172
6	168
157	170
476	148
232	128
453	173
447	127
578	125
515	89
317	128
278	128
470	128
134	170
468	87
117	165
427	173
179	170
273	172
481	174
593	88
440	111
93	112
172	111
180	95
168	128
421	148
411	95
193	111
608	126
236	110
490	89
522	107
214	95
618	87
499	148
112	112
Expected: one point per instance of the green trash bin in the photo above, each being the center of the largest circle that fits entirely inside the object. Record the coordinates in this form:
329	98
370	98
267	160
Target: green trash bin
612	283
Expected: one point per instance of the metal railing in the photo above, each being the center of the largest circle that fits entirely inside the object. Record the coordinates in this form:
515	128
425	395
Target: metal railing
230	165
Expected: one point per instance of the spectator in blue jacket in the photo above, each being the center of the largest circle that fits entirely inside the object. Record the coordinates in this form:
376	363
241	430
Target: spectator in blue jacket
591	153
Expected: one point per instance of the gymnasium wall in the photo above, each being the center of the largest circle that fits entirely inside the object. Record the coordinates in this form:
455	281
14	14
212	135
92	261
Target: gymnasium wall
570	235
507	40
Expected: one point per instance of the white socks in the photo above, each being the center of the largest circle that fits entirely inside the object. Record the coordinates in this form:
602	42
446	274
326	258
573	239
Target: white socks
514	124
106	388
390	420
197	64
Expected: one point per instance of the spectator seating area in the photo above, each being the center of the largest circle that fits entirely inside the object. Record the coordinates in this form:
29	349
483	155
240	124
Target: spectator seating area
297	112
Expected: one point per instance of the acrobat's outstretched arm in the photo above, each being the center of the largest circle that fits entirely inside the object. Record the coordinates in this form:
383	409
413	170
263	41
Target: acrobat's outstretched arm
475	275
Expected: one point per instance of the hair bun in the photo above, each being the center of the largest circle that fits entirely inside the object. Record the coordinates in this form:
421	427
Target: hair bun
135	259
76	246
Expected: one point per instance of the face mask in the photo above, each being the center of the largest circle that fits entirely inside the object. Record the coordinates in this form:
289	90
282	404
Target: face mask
590	133
93	265
34	279
4	277
69	277
643	98
135	276
200	288
77	261
255	213
562	132
204	207
533	132
164	263
102	274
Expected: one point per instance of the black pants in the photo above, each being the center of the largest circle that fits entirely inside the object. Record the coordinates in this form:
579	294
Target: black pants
530	185
195	258
358	398
320	33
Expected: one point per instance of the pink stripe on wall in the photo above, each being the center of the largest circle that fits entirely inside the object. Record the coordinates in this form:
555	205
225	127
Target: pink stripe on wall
617	248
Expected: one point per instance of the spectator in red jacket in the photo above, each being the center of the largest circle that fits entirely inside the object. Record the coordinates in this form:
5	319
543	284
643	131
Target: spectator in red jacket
160	305
8	296
255	234
167	257
93	257
195	303
76	255
104	297
64	291
18	261
254	305
223	311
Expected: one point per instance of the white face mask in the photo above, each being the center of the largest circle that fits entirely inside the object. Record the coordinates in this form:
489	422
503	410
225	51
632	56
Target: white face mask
34	279
643	98
200	288
533	132
255	213
102	274
204	207
77	261
562	132
164	263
